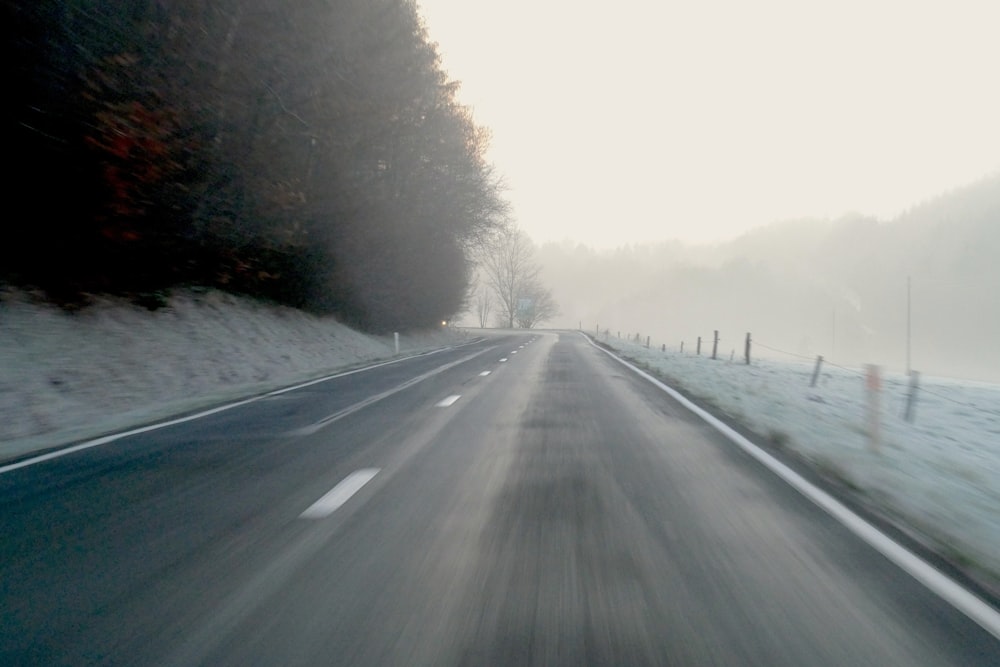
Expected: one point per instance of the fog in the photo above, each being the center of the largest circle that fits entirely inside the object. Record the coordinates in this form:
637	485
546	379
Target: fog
655	119
840	288
620	128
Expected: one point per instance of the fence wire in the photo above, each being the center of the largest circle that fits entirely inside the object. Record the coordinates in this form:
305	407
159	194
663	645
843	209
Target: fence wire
922	388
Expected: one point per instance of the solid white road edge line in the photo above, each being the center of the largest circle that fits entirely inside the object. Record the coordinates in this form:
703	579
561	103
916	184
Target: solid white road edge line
103	440
449	401
947	589
339	494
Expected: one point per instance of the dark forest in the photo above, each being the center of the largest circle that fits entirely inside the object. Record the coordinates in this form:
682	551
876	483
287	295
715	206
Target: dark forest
309	153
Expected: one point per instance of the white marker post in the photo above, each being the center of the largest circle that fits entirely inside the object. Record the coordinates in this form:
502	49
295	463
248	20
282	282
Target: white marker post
395	336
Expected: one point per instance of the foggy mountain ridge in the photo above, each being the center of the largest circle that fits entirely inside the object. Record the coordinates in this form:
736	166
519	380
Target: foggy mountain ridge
811	286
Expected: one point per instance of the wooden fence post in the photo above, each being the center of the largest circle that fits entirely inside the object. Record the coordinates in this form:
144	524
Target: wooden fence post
819	364
747	353
873	382
698	352
911	398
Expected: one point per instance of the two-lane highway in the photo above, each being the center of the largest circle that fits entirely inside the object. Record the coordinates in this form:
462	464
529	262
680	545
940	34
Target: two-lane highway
523	500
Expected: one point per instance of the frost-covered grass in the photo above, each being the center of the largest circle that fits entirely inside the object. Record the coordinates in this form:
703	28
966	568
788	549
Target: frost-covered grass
66	377
938	476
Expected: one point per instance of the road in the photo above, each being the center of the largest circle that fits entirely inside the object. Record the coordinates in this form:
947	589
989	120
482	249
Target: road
523	500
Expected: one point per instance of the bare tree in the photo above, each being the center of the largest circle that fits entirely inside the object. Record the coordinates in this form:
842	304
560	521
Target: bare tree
535	305
484	304
478	299
507	260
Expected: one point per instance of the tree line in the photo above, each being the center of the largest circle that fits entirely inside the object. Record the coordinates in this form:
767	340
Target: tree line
311	153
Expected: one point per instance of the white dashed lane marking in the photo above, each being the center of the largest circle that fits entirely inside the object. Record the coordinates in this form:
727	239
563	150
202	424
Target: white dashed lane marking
339	494
444	403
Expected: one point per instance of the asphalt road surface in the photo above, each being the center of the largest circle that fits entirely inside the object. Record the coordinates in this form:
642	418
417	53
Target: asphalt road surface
524	500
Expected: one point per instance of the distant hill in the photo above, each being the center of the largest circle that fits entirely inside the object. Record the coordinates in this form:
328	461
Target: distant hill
811	286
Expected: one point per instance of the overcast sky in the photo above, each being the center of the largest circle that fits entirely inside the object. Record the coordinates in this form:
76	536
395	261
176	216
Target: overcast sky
646	120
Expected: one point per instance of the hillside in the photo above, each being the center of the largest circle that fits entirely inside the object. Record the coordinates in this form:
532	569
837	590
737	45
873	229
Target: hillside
69	376
807	287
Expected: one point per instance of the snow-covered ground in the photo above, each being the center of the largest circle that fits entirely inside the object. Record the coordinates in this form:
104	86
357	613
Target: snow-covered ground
66	377
939	476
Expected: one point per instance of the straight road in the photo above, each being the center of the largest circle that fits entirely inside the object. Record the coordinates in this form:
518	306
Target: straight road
524	500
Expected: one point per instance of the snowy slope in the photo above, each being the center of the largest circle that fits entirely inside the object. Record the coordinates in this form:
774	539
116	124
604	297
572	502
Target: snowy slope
939	476
66	377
